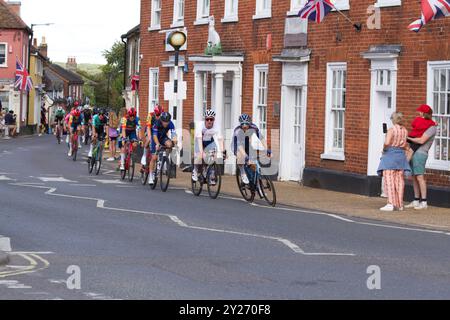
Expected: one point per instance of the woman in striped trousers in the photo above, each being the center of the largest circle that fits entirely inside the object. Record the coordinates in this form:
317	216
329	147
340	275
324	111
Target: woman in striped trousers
394	164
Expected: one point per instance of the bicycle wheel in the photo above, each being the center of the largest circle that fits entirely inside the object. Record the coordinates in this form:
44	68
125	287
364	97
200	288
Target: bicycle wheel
155	180
75	148
91	165
144	175
164	174
214	180
131	170
246	191
98	162
268	190
197	187
58	135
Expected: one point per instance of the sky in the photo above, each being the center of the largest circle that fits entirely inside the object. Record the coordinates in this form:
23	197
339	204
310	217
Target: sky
82	28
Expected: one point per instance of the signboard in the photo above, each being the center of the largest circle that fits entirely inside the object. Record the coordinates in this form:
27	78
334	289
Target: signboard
169	94
294	74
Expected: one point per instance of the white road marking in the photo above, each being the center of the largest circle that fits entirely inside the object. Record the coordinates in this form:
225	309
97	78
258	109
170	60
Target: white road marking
58	179
179	222
5	178
83	185
109	181
57	281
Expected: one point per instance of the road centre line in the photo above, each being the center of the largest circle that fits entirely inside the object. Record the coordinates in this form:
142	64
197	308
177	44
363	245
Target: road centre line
101	205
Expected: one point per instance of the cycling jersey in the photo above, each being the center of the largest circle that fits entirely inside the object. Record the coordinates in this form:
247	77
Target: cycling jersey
130	127
87	115
241	138
60	114
208	136
99	125
74	122
151	120
162	132
66	119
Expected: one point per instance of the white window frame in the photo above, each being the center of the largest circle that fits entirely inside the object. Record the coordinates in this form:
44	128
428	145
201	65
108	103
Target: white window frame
257	105
205	90
178	21
432	66
330	152
155	25
5	65
341	4
261	12
153	97
228	15
296	5
202	18
388	3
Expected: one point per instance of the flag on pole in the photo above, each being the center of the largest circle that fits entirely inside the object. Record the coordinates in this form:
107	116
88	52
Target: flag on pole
23	79
315	10
431	9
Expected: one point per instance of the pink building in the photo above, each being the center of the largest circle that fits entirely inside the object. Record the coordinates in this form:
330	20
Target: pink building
14	39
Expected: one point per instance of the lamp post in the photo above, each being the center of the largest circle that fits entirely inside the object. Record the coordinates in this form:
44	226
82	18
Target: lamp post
176	39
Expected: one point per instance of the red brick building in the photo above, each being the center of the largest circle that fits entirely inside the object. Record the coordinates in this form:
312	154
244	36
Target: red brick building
325	92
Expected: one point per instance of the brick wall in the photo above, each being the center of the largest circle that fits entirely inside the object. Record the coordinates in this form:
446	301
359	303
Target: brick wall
431	43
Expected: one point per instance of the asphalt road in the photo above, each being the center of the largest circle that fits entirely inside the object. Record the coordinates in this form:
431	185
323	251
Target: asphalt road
129	242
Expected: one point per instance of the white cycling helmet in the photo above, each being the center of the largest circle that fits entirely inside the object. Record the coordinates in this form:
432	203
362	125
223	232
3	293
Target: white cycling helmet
209	114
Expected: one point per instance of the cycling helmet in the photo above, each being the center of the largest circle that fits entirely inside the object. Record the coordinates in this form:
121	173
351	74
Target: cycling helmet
209	114
245	119
158	110
76	104
95	111
166	117
132	112
60	108
101	111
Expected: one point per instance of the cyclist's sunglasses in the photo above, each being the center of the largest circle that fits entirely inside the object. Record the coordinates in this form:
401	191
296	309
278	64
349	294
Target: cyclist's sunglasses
245	124
210	119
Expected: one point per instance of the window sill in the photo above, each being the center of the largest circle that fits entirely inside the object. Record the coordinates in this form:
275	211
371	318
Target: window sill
266	15
345	7
229	19
333	156
293	13
3	66
389	3
438	166
201	21
154	28
177	24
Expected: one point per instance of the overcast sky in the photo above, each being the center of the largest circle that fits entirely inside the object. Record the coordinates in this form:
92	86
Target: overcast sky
82	28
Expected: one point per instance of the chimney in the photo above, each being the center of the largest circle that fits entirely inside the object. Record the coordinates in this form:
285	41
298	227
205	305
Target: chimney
35	43
43	48
71	64
14	6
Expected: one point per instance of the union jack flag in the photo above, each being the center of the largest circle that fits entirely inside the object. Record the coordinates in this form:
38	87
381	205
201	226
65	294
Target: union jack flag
316	10
431	9
23	79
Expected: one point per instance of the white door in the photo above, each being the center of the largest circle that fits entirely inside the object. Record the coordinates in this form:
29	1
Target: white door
293	134
298	143
227	118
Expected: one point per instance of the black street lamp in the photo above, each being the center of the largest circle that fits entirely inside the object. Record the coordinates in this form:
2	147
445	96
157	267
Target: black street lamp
176	39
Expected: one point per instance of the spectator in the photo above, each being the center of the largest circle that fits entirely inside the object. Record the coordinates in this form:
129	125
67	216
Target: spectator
10	122
418	163
113	133
394	164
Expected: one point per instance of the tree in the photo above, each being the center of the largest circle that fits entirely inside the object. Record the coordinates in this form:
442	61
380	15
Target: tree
113	73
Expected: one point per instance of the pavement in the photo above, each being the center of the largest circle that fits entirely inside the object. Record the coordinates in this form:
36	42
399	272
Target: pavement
79	236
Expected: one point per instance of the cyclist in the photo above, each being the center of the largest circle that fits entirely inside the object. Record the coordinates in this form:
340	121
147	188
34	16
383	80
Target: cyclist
242	148
59	120
130	127
99	123
207	139
87	117
66	124
74	126
160	137
151	120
